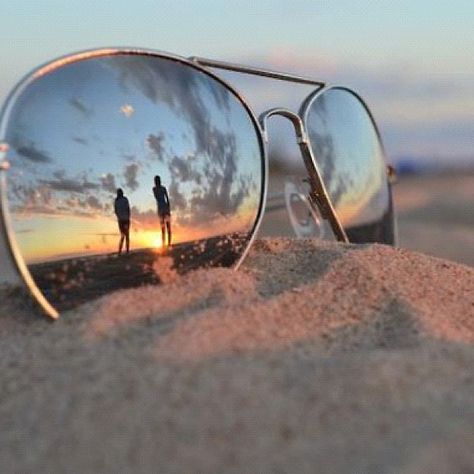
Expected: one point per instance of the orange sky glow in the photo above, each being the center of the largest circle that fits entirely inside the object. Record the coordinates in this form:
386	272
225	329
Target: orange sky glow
47	238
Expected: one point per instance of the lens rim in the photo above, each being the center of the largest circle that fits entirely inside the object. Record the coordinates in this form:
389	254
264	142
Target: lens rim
55	64
304	114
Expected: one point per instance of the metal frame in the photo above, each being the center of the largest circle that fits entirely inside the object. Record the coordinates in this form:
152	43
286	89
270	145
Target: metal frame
12	245
389	169
305	106
318	197
283	76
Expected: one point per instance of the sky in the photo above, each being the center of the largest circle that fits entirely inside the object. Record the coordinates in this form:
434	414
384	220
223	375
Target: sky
413	61
91	127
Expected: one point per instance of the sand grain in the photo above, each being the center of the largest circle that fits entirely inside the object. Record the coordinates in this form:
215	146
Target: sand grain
314	357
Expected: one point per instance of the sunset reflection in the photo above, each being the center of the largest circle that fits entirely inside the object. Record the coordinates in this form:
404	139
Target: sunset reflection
88	143
350	155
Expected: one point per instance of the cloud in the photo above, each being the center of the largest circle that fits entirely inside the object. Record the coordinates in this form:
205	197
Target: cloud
60	196
33	154
30	195
70	185
219	186
130	174
79	106
144	220
32	203
178	199
108	183
94	203
127	110
155	144
80	140
182	169
208	182
180	87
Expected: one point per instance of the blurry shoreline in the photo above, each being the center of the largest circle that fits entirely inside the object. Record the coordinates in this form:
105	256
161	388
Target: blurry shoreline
436	214
67	283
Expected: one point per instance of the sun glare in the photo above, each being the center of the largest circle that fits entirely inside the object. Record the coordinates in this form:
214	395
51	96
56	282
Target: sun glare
156	242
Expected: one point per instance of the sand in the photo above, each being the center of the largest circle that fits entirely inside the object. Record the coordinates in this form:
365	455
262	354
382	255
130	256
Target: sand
313	357
436	214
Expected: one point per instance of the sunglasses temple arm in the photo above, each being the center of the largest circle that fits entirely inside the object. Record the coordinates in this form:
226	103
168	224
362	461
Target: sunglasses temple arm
318	196
240	68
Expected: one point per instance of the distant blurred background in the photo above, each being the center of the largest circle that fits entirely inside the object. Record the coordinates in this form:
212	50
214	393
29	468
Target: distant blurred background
411	61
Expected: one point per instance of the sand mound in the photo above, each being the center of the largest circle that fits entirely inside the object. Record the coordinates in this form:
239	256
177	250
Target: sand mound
342	297
313	357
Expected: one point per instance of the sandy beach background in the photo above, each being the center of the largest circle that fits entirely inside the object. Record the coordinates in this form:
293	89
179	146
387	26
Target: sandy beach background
436	214
313	357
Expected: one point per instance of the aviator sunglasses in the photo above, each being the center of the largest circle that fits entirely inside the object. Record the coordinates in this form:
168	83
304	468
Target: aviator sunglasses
116	163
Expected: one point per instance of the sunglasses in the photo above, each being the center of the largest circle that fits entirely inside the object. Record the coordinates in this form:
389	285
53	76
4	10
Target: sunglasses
126	164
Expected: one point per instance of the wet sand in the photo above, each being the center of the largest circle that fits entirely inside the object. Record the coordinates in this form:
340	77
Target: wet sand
314	357
67	283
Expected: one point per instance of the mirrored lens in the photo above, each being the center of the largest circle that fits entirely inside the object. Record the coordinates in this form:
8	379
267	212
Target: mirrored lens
125	168
350	157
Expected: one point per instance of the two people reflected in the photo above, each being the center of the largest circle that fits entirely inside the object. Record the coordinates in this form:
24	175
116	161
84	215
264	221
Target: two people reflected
122	211
163	207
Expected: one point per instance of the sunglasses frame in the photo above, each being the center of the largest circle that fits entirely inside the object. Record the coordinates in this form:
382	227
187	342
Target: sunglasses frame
319	196
17	272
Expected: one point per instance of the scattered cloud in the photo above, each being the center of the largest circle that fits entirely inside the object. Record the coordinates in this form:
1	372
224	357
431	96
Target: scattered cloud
130	174
80	140
144	220
182	169
127	110
80	186
219	186
93	203
80	107
155	144
33	154
108	183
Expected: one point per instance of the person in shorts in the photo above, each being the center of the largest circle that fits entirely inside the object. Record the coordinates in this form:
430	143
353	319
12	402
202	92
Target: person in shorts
122	211
163	208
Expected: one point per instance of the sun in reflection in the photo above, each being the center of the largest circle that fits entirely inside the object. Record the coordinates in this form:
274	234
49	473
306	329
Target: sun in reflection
156	242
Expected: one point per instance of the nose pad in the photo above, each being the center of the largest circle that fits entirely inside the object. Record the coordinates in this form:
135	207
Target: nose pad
305	220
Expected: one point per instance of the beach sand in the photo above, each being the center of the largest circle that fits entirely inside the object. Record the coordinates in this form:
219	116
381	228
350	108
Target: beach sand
313	357
436	214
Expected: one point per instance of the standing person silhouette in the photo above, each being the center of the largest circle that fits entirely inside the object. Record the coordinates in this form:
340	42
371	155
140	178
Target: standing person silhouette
122	211
163	207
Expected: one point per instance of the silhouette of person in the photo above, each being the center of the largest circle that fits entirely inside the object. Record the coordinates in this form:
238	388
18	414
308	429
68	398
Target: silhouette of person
163	207
122	211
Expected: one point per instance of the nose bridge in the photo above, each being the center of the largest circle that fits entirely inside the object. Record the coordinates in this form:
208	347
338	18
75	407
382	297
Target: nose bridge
318	197
294	118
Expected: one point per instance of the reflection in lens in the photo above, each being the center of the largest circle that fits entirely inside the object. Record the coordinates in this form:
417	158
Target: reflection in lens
126	165
350	157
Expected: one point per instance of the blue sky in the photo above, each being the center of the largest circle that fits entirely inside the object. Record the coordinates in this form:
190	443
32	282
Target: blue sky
413	61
